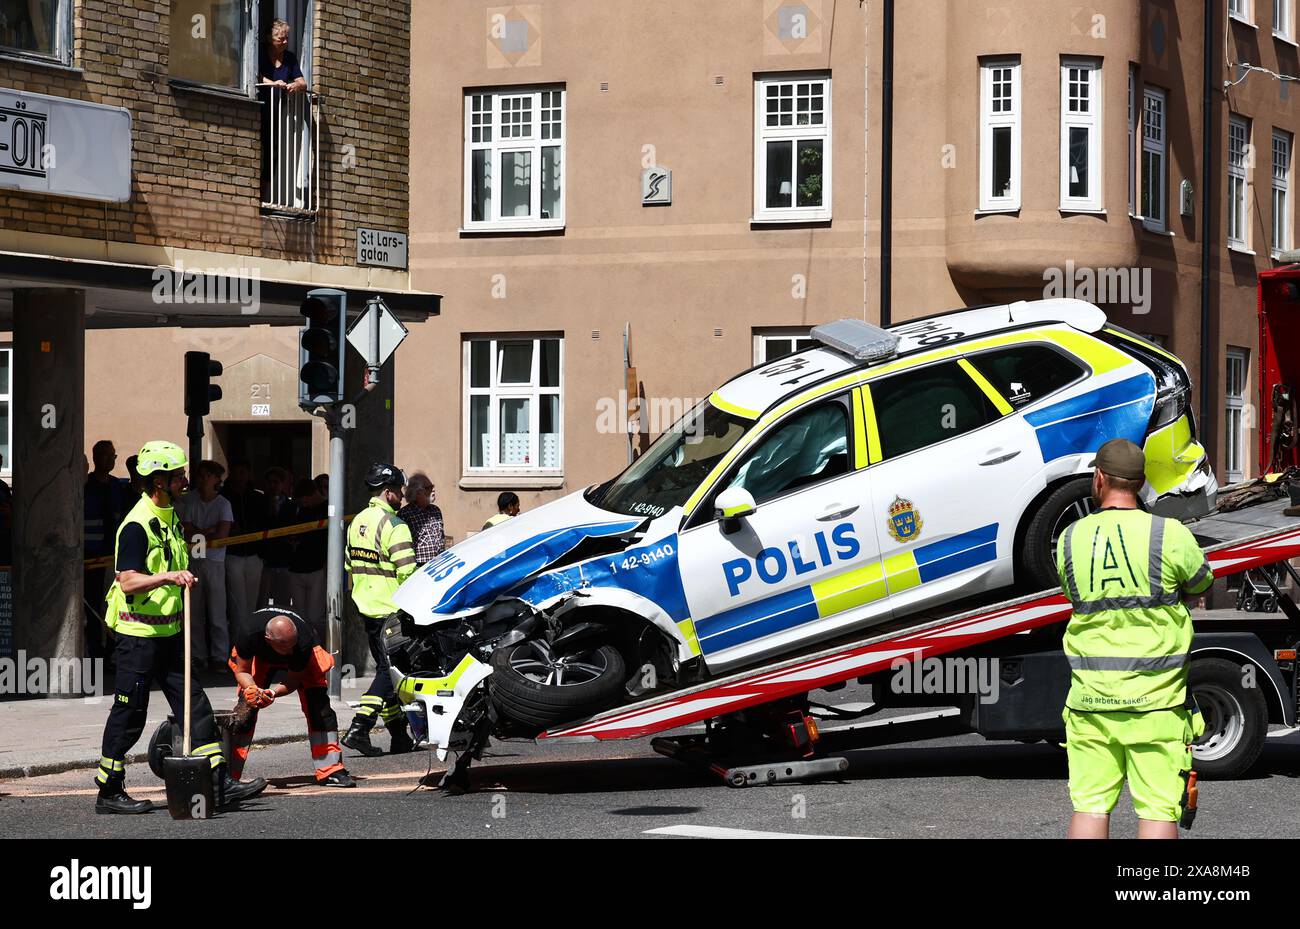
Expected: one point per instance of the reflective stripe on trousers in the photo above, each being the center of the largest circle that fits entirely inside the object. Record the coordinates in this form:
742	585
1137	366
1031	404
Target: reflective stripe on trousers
326	754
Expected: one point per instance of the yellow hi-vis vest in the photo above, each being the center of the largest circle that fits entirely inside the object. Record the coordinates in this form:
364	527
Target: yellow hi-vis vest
1126	572
380	555
156	612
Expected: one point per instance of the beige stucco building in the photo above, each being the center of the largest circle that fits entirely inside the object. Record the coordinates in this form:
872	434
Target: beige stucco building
1039	148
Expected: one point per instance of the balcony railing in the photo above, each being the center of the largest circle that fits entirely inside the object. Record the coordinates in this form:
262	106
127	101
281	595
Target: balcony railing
291	153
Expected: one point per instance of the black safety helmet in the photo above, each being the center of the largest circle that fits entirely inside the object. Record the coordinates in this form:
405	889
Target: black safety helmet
384	475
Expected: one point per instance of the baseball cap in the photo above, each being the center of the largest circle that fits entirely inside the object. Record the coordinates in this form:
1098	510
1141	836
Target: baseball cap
1121	458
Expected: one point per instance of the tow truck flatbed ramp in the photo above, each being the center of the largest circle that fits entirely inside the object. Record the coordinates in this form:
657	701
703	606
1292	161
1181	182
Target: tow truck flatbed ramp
1236	541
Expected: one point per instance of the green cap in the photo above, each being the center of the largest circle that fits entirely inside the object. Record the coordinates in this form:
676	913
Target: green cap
1121	458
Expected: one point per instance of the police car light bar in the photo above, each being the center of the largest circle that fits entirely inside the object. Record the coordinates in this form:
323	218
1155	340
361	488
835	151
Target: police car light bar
860	340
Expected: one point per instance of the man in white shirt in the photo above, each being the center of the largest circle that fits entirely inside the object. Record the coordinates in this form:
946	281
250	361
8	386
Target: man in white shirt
207	517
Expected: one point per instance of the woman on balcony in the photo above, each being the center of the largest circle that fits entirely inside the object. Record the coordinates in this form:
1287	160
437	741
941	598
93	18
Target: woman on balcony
277	65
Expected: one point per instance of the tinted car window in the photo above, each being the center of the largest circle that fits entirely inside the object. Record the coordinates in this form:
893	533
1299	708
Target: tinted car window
1025	373
927	406
807	448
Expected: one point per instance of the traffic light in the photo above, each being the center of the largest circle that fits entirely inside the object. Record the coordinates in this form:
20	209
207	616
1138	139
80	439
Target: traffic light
200	369
320	348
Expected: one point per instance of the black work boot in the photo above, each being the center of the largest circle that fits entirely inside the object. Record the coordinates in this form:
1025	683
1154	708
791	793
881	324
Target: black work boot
357	737
231	791
401	741
339	779
113	798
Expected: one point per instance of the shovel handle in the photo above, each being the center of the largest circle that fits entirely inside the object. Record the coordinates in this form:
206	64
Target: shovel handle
185	596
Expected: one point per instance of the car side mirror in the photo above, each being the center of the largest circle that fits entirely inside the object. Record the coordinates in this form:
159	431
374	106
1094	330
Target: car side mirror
731	506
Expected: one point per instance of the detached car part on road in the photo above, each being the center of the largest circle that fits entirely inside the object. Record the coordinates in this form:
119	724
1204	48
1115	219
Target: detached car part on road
876	475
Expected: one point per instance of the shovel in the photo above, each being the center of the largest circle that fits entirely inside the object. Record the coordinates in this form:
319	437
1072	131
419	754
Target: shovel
190	791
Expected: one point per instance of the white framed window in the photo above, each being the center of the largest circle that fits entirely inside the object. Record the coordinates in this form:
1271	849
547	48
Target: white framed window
1234	423
1081	161
1132	140
1240	10
514	158
773	343
1238	182
6	411
792	148
37	29
1000	135
1283	19
1281	239
1153	159
513	410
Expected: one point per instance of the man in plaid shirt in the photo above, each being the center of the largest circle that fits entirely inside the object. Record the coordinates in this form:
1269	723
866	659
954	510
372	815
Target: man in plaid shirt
423	517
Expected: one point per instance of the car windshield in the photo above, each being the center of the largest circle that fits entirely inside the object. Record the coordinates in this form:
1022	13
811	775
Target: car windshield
670	470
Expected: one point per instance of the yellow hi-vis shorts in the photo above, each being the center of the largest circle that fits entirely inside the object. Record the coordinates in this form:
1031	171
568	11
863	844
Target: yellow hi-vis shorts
1149	750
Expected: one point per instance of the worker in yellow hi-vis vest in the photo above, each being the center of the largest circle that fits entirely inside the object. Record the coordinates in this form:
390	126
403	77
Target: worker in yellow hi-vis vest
146	609
380	555
1127	716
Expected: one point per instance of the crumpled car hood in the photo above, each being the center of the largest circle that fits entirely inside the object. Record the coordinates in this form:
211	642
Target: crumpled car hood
474	573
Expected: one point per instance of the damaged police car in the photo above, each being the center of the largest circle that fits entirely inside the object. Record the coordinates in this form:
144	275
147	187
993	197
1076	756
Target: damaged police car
873	475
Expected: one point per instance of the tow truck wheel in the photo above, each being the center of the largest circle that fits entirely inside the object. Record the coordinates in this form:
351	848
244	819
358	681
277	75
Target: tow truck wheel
1236	719
534	687
1067	503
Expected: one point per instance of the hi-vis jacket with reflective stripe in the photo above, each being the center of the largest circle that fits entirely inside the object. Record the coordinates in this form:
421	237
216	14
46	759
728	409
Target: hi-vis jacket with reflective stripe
380	555
1126	572
157	612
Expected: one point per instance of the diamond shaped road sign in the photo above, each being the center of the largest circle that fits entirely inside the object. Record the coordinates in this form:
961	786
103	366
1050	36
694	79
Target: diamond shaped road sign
361	335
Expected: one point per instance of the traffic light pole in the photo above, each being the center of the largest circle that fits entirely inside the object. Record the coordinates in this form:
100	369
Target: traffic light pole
334	582
194	430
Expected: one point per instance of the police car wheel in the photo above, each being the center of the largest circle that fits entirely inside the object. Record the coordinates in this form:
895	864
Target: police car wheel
1067	503
1236	719
534	687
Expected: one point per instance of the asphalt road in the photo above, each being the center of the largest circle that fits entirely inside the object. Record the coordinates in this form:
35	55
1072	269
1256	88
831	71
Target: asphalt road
955	787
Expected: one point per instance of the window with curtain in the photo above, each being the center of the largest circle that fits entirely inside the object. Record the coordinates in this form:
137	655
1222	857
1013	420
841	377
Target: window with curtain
513	404
36	27
514	158
792	148
209	42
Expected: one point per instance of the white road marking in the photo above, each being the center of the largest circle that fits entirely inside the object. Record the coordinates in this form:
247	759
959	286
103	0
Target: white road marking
721	832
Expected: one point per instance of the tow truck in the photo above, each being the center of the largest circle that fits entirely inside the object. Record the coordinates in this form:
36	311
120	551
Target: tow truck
763	727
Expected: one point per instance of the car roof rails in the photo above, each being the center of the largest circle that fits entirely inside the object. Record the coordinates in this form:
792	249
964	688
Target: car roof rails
860	340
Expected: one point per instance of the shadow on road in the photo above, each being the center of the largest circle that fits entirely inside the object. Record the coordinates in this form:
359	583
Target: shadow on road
987	761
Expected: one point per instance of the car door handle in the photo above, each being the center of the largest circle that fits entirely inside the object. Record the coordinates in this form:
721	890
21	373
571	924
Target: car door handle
837	511
998	459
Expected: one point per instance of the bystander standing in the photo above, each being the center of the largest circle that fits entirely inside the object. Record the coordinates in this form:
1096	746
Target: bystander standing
243	561
507	506
424	518
307	562
207	517
280	512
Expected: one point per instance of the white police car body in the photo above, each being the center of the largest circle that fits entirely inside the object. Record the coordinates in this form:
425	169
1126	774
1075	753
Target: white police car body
818	494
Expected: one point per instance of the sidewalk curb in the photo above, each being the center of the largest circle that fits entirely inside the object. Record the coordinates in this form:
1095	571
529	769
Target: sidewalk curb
59	767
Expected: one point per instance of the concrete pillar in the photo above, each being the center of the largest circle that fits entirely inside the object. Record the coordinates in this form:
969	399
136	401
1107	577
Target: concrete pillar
49	335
